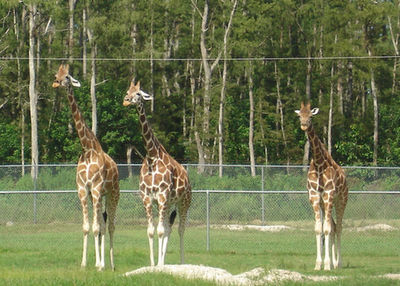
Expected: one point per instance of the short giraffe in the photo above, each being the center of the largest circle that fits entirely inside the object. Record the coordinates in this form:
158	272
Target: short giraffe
327	188
96	177
162	179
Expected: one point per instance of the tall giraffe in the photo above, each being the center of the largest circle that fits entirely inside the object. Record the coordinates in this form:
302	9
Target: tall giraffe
96	177
327	188
162	179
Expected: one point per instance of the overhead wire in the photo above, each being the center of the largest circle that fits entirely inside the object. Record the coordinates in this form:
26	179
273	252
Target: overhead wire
10	58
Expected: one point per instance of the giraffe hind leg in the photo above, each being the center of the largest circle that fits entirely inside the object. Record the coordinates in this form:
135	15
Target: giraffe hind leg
183	210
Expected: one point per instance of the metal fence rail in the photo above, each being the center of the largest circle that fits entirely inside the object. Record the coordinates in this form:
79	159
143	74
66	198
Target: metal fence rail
276	196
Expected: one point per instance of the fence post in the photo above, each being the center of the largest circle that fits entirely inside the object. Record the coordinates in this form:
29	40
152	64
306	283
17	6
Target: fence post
262	197
208	220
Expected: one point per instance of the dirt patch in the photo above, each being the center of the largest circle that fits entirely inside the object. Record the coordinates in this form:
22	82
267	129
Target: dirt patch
391	276
257	276
379	226
240	227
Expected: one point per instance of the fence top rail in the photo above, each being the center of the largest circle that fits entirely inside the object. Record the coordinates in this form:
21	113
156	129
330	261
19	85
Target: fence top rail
207	165
203	192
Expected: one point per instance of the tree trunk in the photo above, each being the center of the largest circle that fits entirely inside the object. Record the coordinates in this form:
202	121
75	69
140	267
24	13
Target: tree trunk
33	93
223	92
71	29
280	110
340	88
93	90
251	122
395	42
84	47
19	91
152	56
263	132
205	140
374	93
330	112
93	46
308	95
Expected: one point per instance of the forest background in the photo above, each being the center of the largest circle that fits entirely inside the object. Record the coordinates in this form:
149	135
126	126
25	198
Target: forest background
226	77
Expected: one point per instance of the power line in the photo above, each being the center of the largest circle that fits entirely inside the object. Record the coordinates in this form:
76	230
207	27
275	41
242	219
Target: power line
264	59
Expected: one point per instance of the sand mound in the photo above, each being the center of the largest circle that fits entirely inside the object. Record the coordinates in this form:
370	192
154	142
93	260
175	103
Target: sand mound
257	276
392	276
240	227
379	226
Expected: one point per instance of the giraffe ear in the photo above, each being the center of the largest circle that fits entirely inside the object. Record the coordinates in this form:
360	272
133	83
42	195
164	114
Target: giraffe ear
314	111
146	96
74	82
297	111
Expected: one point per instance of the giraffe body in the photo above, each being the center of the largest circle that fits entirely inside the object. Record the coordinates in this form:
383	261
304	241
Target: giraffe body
327	189
96	179
162	180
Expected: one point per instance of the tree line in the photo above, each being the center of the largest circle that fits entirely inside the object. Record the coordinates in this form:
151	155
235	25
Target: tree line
226	76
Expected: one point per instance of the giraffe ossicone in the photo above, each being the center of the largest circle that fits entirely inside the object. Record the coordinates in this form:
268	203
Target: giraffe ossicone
162	180
96	178
327	189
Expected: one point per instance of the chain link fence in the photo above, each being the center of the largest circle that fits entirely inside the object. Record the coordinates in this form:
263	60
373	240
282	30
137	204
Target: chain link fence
235	206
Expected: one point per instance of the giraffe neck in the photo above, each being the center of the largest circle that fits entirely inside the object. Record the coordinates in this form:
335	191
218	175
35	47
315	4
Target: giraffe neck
319	153
86	136
152	143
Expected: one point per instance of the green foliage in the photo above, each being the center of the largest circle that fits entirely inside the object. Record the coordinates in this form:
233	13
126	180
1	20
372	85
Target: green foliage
10	143
170	33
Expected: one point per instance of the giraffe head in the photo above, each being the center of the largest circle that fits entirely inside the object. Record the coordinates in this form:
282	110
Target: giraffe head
134	95
63	78
305	113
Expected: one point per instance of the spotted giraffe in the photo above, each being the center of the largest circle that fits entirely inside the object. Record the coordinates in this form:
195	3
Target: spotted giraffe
96	177
327	189
162	180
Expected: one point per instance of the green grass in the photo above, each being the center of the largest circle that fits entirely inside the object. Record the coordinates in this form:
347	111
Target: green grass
51	254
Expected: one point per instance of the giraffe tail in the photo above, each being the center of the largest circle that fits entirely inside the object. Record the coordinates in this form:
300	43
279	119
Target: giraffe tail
172	218
105	221
105	217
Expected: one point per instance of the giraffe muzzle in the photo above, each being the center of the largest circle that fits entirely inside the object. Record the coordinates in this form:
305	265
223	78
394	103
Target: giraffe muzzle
126	103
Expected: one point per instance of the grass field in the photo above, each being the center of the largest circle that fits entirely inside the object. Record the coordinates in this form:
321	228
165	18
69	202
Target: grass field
51	254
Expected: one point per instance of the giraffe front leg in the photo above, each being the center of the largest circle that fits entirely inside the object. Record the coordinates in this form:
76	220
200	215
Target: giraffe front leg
83	195
315	202
327	229
163	234
150	224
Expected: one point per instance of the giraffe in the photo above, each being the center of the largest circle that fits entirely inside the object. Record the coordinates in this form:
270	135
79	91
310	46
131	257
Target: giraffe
96	178
162	179
327	189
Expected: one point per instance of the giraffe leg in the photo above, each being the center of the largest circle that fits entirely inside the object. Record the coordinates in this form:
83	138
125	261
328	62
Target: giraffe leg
162	229
111	210
97	216
315	202
333	242
83	196
150	225
102	237
339	218
327	228
183	209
